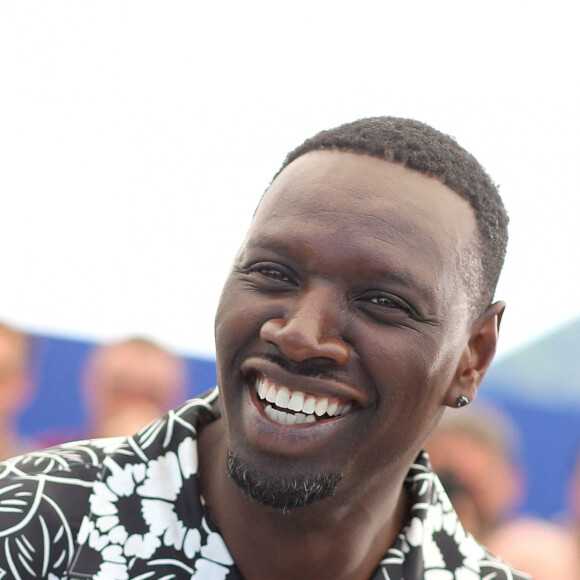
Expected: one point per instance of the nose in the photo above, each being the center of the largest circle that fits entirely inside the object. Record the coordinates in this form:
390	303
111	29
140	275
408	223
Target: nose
310	331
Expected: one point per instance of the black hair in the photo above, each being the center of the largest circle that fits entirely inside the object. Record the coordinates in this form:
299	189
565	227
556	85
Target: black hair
426	150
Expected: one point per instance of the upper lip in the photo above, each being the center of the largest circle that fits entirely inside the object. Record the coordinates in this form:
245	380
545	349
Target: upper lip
314	385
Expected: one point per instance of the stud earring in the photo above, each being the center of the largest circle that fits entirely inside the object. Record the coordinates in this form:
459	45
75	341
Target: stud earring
461	401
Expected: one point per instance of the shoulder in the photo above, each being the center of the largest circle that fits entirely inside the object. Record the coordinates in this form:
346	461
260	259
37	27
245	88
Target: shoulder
55	500
73	466
433	542
88	495
43	498
72	469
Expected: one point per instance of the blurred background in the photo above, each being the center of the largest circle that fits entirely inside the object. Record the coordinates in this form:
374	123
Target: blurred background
136	137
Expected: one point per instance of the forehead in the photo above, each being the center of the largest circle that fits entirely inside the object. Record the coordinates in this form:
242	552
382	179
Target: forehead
133	356
358	193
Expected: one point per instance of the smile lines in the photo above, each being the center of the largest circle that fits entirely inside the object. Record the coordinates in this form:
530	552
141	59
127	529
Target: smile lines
303	407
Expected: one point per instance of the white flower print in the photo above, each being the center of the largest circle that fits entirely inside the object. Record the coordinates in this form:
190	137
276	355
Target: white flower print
466	574
215	548
438	575
206	570
415	532
165	475
432	553
472	552
164	482
114	565
163	522
106	534
157	486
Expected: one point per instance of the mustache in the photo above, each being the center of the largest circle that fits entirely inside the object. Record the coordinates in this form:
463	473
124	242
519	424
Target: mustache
305	368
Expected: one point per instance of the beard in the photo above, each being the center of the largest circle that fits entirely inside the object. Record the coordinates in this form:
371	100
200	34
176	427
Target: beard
280	492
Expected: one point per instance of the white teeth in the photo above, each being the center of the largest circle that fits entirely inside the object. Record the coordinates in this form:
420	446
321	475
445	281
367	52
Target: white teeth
271	395
321	406
296	401
263	390
284	418
283	398
300	418
306	407
270	412
309	405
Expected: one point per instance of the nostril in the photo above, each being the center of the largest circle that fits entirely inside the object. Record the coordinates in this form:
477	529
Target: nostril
298	342
271	329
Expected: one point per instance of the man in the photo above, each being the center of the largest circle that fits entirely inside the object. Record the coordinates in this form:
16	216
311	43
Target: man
129	383
358	307
125	385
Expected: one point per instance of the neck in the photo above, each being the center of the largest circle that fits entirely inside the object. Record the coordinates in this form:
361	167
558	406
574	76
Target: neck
338	538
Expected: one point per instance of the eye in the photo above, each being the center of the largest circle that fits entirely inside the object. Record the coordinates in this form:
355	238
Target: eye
385	306
270	276
385	302
271	272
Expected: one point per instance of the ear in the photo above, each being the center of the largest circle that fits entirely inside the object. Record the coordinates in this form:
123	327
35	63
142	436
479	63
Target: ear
477	356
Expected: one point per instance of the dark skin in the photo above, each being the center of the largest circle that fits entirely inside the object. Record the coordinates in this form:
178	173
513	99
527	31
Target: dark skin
352	268
301	543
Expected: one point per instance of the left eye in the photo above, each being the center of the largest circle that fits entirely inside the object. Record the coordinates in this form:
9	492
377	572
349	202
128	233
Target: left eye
385	301
273	273
384	306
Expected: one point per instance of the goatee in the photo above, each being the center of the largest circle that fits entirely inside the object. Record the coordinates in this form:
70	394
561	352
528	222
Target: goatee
279	492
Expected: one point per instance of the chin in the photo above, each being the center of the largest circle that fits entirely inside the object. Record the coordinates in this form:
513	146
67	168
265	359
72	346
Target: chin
281	492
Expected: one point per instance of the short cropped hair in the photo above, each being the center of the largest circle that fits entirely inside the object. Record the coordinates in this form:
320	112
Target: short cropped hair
426	150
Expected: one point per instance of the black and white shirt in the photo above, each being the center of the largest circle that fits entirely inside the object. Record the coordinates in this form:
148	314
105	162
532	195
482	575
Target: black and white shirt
130	508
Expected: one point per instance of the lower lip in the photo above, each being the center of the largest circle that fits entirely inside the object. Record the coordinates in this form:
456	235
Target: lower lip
297	439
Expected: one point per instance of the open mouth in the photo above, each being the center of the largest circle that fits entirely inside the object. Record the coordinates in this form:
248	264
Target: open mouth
291	407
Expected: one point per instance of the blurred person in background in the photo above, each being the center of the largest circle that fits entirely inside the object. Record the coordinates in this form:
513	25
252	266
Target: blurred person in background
543	549
15	388
128	384
474	453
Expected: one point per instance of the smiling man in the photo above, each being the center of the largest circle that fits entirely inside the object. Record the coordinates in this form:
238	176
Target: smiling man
359	307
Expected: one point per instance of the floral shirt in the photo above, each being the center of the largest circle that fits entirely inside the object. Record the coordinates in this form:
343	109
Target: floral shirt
114	509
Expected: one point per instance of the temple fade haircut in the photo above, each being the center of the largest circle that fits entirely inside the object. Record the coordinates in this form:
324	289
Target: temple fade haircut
426	150
278	492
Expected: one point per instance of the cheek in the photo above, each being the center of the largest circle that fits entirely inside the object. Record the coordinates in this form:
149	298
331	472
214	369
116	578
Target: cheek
237	328
235	323
404	357
438	357
243	310
411	375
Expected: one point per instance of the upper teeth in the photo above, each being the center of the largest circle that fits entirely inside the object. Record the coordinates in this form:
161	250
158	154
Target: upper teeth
305	406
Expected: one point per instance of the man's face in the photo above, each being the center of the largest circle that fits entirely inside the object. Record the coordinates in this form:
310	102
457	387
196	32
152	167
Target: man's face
128	377
345	307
